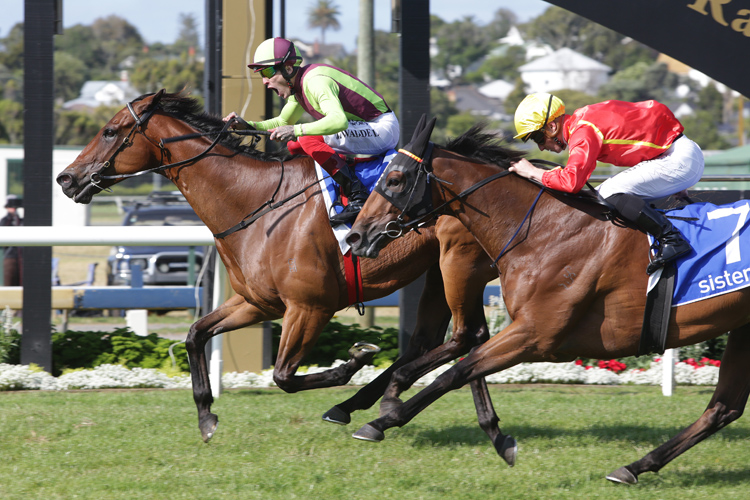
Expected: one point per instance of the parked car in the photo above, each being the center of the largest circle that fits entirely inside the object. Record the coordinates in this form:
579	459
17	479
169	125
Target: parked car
160	265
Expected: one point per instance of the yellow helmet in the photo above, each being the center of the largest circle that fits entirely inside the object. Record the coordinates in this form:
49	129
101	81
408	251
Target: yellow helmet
535	112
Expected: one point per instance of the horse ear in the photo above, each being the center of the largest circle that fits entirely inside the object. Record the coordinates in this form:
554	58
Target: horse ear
420	126
144	104
419	143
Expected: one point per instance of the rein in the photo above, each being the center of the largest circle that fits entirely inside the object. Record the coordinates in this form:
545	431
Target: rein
140	121
264	209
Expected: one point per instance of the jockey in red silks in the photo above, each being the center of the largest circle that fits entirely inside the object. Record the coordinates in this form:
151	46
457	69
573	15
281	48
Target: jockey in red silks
644	136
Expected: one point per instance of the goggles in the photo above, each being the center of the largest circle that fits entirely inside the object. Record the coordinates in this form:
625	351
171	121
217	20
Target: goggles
268	71
538	137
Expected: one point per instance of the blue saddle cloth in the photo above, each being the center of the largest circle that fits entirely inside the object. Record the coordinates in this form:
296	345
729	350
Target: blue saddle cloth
367	171
720	260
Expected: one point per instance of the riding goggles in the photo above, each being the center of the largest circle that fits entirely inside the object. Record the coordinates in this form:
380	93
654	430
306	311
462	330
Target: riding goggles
268	71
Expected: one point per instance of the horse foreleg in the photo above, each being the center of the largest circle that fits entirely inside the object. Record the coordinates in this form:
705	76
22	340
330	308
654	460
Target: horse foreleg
504	350
299	332
726	406
233	314
433	316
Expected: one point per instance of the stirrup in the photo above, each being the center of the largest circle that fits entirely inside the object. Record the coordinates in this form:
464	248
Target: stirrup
659	261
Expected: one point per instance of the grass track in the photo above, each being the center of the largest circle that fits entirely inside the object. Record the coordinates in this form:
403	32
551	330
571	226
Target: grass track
272	445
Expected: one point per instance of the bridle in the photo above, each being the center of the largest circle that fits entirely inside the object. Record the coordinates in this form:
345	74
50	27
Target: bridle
140	121
138	126
416	206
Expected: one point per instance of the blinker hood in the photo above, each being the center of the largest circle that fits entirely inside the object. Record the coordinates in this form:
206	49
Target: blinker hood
412	160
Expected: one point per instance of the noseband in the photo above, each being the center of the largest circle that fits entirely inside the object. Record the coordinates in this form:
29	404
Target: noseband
420	209
140	122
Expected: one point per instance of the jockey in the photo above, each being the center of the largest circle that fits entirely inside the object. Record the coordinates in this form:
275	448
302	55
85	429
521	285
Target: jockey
643	135
350	117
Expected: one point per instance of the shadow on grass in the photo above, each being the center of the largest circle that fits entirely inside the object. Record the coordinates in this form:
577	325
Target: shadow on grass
707	476
636	435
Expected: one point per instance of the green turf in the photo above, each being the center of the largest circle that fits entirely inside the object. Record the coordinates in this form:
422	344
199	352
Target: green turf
272	445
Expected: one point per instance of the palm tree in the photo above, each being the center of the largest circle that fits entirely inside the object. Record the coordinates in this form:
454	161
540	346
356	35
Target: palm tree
324	15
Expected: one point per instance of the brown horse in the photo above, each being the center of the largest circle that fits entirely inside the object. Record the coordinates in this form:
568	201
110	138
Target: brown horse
573	284
288	264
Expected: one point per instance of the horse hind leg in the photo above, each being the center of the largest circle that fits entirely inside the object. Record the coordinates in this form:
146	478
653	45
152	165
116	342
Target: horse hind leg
505	445
233	314
726	406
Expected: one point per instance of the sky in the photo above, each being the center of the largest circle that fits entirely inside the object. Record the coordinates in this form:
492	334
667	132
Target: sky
158	20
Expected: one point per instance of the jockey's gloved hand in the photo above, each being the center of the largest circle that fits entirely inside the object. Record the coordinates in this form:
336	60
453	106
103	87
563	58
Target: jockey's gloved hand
283	133
241	124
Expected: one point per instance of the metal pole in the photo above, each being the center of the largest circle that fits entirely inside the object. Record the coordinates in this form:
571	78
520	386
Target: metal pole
414	99
366	43
38	129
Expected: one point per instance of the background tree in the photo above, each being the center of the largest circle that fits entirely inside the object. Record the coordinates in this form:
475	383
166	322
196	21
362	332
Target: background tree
516	96
324	15
11	122
501	23
501	66
561	28
70	74
118	39
460	43
703	129
574	99
11	55
188	35
640	82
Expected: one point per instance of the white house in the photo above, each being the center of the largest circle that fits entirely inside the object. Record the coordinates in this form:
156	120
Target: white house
103	93
565	69
497	89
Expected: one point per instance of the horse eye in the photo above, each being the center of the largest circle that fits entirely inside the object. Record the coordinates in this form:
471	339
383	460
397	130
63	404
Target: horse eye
109	133
392	182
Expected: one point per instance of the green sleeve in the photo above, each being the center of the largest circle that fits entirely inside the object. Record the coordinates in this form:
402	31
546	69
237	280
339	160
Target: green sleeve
290	114
323	94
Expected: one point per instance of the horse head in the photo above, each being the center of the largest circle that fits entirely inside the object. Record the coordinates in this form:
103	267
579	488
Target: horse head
401	194
407	194
116	149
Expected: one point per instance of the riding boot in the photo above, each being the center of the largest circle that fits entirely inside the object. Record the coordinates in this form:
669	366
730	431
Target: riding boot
356	193
671	243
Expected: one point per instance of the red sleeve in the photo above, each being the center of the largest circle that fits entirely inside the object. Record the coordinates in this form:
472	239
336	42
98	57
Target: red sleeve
584	145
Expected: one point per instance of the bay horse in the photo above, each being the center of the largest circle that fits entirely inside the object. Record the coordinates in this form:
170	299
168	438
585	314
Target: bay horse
574	284
288	263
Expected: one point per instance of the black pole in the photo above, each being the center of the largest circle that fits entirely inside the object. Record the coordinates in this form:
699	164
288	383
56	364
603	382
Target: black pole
212	73
414	100
39	27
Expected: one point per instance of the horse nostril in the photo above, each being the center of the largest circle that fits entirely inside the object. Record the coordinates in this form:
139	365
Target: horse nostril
353	238
64	180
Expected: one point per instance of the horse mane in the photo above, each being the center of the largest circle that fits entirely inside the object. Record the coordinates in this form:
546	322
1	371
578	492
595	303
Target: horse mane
484	147
188	109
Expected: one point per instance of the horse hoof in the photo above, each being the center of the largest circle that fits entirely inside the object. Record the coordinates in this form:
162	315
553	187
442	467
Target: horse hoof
337	416
363	348
208	426
507	450
363	353
369	433
623	475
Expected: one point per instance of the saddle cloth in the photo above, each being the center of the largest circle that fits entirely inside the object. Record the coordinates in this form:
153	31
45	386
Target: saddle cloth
368	172
720	260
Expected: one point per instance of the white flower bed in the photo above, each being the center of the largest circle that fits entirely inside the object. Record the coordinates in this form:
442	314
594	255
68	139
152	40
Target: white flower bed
22	377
